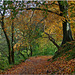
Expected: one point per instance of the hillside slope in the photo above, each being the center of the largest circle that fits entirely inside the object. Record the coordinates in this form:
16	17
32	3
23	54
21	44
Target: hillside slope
64	60
67	50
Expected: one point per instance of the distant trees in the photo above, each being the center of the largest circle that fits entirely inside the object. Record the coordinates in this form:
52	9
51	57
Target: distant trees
29	30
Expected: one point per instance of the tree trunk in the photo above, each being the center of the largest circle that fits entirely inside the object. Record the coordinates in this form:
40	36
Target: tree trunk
67	34
27	52
7	39
31	50
12	42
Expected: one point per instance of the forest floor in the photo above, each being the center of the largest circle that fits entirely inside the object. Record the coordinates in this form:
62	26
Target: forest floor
43	65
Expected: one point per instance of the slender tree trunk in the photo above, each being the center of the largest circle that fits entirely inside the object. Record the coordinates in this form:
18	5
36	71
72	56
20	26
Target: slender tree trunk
6	36
27	52
7	39
31	50
67	34
12	42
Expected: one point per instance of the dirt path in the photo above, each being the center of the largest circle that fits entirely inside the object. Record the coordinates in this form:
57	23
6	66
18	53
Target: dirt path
33	65
41	65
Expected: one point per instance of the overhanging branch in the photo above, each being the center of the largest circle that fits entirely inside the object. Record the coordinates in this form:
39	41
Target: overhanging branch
43	10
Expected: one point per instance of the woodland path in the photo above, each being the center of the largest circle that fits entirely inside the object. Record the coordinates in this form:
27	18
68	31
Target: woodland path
33	65
43	65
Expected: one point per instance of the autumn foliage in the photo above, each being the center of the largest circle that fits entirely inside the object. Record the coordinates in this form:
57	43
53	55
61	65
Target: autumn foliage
30	31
